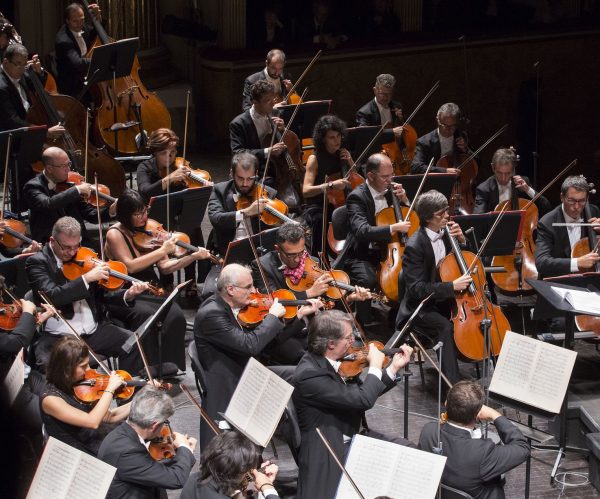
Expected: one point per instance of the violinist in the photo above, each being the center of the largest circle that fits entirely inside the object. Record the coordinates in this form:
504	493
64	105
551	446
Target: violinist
132	214
47	202
34	247
382	109
504	184
273	73
328	158
81	300
76	423
138	474
323	400
445	140
71	45
420	277
366	239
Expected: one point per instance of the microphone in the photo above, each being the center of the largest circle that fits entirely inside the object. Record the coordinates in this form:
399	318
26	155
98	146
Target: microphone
24	129
470	230
437	346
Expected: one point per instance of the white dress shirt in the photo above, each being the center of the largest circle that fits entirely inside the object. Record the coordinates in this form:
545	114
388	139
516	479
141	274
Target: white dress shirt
574	236
275	81
504	192
78	35
378	197
385	113
439	250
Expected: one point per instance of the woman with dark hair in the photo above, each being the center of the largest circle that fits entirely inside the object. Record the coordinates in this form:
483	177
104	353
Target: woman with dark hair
226	465
329	158
76	423
132	214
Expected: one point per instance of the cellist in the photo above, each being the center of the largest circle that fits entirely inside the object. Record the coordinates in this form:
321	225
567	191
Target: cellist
273	73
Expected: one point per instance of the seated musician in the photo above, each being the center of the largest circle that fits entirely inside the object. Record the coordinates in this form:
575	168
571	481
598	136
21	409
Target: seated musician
382	109
474	464
251	131
81	300
46	205
81	425
504	185
224	346
132	214
445	140
138	474
71	45
224	467
329	158
366	238
420	277
273	73
324	400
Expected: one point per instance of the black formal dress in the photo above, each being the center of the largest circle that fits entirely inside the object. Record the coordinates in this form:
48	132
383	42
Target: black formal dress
71	64
324	401
251	80
419	278
138	475
487	197
475	465
224	348
149	180
208	490
46	206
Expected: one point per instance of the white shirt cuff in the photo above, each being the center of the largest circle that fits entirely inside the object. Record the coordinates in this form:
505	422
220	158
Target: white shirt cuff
375	371
531	193
238	216
574	267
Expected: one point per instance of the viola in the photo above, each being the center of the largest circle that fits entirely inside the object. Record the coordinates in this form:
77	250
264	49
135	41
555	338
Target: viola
14	234
153	235
162	448
355	358
194	178
337	198
10	314
86	259
254	313
93	385
100	198
274	210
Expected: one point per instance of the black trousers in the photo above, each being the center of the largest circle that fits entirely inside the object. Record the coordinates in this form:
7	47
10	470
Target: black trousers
363	273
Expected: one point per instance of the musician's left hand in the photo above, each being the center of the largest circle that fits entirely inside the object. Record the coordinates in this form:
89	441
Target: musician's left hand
34	247
400	192
268	477
112	209
402	358
288	84
95	10
461	144
360	294
36	64
345	156
520	184
137	288
595	220
456	231
278	122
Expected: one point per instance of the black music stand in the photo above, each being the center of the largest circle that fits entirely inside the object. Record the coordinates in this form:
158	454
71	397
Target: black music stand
186	208
550	304
240	251
443	182
358	138
504	237
306	117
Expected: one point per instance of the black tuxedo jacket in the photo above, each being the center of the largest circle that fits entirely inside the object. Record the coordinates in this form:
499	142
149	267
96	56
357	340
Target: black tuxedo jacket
11	342
71	65
552	245
46	207
487	197
13	113
323	400
428	146
368	115
139	476
195	490
474	465
221	213
251	80
243	137
276	280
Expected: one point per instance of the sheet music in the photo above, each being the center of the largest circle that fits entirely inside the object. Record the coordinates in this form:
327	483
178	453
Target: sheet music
68	473
388	469
584	301
533	372
15	378
258	402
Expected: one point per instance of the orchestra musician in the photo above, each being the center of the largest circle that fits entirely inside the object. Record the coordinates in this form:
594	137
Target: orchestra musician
47	204
419	277
71	45
273	73
474	464
324	400
328	159
382	109
138	473
34	247
442	141
366	239
81	301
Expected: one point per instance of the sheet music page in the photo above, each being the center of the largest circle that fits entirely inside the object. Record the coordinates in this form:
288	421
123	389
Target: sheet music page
584	301
68	473
533	372
258	402
15	378
388	469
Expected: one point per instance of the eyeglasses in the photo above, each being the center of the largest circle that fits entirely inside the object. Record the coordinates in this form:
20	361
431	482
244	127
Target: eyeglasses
247	288
572	201
447	127
20	66
142	213
68	248
293	256
64	165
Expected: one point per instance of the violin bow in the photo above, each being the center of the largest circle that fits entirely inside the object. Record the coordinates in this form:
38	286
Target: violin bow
100	236
338	462
436	85
256	256
6	161
482	146
541	192
366	149
412	204
46	299
87	139
143	356
203	414
185	128
310	65
296	109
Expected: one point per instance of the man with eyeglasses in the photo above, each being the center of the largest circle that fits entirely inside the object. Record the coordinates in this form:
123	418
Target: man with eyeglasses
553	244
47	205
382	109
446	139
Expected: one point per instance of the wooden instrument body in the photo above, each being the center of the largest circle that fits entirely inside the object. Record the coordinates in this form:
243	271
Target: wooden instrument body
461	200
312	272
402	156
85	260
337	198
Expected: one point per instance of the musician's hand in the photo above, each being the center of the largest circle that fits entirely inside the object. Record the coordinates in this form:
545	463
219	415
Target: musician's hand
169	246
320	286
84	189
359	294
398	113
454	171
112	209
487	414
278	122
177	176
520	184
400	192
95	10
340	184
34	247
254	209
462	282
45	315
278	149
115	381
595	220
98	273
306	310
35	63
201	254
401	359
288	84
137	288
27	306
398	131
277	309
346	156
267	478
461	144
400	227
56	131
375	357
180	439
456	231
586	262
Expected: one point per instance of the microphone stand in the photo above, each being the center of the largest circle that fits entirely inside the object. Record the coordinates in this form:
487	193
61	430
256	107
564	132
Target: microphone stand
438	349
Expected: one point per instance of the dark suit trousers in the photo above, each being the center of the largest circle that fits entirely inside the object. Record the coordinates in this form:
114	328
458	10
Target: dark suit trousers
363	273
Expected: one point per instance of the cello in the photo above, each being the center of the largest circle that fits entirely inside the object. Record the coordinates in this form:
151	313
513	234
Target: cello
125	102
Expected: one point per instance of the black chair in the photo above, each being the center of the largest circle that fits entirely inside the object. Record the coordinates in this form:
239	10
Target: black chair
341	231
452	493
199	375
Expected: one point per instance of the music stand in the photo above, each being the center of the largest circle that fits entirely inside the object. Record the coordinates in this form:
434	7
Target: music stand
443	182
240	251
306	117
358	138
186	208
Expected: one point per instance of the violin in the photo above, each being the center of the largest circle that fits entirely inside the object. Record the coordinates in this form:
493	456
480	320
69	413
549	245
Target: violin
194	178
355	358
153	235
86	259
14	234
274	210
10	314
258	308
341	282
100	198
337	198
162	447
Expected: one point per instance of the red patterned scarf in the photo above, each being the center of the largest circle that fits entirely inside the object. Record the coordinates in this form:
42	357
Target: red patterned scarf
296	274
